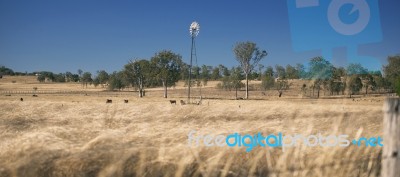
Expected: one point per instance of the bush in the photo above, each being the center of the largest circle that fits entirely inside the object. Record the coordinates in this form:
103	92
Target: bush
397	87
355	85
267	82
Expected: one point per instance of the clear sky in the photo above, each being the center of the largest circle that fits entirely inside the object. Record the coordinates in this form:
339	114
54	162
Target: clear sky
67	35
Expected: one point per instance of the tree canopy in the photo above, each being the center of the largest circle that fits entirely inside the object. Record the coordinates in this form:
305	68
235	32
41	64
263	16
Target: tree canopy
248	55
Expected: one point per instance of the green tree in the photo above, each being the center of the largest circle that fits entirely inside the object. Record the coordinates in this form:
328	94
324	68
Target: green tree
397	87
102	77
365	76
369	82
167	68
138	73
225	71
215	74
392	70
355	85
260	69
281	85
280	72
80	74
96	82
291	72
233	80
320	72
336	83
301	71
356	69
59	77
205	74
269	71
117	80
381	82
41	77
86	78
248	55
6	71
267	81
68	76
184	72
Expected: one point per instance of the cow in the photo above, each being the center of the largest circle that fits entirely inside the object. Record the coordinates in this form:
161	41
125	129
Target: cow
34	95
183	102
109	101
21	99
172	101
126	101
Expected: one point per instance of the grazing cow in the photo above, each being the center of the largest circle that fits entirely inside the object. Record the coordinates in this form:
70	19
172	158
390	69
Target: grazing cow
125	101
172	101
183	102
109	101
35	95
21	99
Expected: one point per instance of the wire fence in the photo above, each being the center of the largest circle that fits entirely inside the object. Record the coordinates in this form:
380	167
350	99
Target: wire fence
63	92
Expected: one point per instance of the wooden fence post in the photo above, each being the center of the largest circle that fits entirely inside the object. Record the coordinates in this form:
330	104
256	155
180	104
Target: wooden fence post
391	138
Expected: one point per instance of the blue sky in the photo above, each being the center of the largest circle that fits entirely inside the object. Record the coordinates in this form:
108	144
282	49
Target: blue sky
62	36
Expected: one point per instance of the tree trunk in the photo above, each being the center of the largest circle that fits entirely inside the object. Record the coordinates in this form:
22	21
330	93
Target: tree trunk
313	88
140	92
318	92
236	93
247	87
165	88
366	90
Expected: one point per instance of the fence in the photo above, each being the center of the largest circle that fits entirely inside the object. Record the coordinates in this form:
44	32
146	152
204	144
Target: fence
64	92
391	136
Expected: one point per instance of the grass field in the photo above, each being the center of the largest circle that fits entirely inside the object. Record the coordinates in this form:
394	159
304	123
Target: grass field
81	135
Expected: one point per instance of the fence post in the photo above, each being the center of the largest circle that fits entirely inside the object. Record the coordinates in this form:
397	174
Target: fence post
391	138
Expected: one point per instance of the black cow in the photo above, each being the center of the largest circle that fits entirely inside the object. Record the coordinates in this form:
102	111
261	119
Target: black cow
126	101
109	101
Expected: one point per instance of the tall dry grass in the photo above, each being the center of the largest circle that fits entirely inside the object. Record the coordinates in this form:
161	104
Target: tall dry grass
74	135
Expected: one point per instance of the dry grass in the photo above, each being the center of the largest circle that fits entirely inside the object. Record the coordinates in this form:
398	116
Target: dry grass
75	135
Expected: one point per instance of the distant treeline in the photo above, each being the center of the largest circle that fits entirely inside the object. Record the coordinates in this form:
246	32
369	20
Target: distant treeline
166	68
